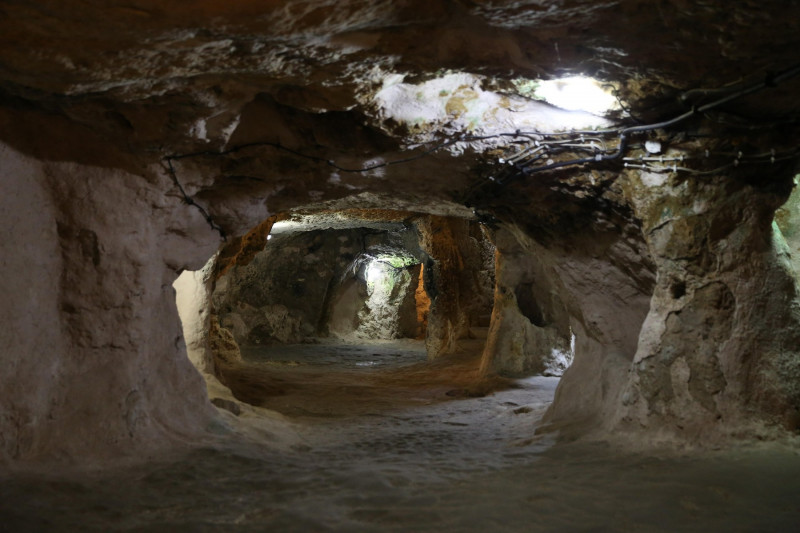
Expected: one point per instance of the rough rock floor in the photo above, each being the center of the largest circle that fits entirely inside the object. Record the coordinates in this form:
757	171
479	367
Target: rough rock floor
427	454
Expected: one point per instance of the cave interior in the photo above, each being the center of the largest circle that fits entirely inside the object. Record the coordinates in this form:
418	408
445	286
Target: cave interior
366	265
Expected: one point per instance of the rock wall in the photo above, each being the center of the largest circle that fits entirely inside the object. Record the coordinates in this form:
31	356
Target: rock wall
530	326
95	364
456	281
602	277
389	310
193	298
684	309
360	284
280	296
423	304
787	226
718	353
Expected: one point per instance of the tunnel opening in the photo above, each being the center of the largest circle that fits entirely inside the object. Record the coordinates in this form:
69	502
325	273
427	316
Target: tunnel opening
335	312
312	284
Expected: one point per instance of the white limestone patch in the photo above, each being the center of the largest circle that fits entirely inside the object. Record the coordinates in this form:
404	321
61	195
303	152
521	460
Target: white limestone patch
653	147
559	361
230	128
457	103
700	206
653	179
198	130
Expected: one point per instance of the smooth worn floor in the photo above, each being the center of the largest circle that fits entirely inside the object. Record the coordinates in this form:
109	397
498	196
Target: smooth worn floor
402	445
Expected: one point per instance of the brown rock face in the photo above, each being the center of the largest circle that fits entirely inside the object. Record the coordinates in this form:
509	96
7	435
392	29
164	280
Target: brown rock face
137	141
720	337
91	314
530	328
454	282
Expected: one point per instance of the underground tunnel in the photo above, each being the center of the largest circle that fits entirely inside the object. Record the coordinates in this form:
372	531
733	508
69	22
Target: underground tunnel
339	290
399	266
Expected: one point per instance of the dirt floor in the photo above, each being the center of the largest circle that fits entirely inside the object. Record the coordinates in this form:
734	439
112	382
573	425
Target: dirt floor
333	379
402	445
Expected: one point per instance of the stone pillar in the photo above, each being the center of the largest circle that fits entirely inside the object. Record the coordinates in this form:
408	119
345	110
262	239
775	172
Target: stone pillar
452	281
530	326
447	320
603	278
719	351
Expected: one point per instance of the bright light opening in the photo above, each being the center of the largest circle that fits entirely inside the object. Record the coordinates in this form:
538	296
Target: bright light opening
376	272
577	93
383	272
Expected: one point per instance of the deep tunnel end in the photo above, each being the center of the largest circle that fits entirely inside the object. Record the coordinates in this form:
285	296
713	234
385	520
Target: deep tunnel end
359	329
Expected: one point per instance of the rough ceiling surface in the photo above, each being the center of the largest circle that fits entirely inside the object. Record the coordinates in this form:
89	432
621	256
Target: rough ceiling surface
146	72
149	79
138	136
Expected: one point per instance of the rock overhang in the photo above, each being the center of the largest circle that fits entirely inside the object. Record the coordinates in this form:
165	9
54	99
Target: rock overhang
201	61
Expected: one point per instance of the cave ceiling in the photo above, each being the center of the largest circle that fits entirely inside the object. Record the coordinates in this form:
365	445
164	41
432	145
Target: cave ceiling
146	79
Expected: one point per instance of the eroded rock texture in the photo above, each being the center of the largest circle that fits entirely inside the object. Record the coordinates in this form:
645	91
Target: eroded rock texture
530	328
349	283
720	339
683	305
95	357
457	280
